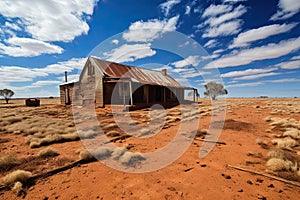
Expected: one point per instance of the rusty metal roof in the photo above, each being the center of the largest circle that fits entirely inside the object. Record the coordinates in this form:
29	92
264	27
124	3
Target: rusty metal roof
141	75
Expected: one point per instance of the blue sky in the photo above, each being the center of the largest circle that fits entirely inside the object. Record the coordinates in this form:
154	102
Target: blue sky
251	46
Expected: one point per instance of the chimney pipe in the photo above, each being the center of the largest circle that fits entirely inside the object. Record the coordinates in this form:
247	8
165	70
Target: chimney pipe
66	76
164	72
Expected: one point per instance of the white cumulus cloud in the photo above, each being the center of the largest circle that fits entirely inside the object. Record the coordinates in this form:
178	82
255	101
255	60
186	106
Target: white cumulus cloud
20	47
215	10
246	56
228	28
50	20
211	43
150	30
295	64
286	9
245	38
191	60
236	13
248	72
129	53
168	5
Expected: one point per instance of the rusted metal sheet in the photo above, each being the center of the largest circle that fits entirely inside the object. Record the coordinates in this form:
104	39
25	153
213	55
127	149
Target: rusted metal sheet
145	76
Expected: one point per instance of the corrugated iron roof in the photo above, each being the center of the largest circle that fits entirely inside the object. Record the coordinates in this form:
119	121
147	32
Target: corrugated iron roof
141	75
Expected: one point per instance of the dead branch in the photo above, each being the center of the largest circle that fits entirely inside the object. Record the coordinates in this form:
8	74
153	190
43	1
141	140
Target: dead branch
210	141
265	175
33	179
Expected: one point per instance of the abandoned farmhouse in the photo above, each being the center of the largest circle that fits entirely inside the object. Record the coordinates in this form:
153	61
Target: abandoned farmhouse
102	82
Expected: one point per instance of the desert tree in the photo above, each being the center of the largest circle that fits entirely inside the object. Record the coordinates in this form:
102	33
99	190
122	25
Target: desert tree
214	89
7	94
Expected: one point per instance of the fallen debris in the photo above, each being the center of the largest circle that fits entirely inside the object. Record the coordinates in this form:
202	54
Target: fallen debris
265	175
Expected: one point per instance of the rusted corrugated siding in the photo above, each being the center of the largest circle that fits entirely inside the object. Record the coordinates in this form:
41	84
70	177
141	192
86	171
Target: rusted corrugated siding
145	76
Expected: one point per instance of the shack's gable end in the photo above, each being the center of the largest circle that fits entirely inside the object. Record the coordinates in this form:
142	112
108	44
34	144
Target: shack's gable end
89	72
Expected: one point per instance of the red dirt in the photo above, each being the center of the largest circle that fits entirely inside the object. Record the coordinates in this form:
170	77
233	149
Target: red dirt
189	177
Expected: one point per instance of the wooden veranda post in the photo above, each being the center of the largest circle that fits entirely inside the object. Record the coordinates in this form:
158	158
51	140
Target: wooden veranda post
130	91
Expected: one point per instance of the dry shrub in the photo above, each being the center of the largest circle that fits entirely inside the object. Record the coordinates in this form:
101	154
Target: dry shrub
118	152
202	132
48	152
131	159
276	153
14	119
18	175
85	155
102	152
292	132
18	188
34	144
111	126
49	139
285	143
268	119
277	164
69	137
87	134
113	133
8	162
262	143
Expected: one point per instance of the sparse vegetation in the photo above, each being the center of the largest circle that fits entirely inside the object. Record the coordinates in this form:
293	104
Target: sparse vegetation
15	176
131	159
18	188
48	152
7	94
7	162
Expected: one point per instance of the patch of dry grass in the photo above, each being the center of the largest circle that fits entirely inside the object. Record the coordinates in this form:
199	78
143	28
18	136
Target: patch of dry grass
278	164
15	176
285	143
18	188
121	154
48	152
292	132
8	162
131	159
262	143
113	133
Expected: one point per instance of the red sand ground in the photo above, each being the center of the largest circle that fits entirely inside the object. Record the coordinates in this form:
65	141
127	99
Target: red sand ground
207	178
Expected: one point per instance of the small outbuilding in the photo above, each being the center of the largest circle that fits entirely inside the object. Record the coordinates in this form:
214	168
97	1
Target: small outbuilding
102	82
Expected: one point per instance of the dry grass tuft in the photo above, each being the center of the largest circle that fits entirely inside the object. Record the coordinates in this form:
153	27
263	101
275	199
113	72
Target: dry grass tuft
18	188
277	164
131	159
102	152
118	152
8	162
113	133
276	153
48	152
85	155
18	175
292	132
87	134
285	143
262	143
34	144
